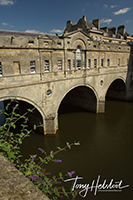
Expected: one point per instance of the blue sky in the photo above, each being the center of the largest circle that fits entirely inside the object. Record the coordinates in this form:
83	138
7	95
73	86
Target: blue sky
50	16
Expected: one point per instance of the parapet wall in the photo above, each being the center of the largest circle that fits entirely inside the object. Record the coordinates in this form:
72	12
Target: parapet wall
14	185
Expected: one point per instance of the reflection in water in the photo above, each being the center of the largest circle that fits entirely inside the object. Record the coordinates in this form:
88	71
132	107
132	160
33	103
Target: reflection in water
105	150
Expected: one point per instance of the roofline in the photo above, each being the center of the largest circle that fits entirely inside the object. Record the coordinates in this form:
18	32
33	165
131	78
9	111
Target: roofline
66	35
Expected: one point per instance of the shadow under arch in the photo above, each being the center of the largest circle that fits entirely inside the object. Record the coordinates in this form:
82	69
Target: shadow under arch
79	98
34	118
117	90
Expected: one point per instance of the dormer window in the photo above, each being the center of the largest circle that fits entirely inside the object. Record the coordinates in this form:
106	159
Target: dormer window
31	42
105	34
12	38
114	36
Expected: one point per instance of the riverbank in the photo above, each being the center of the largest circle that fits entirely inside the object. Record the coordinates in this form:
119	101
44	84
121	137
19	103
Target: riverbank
14	185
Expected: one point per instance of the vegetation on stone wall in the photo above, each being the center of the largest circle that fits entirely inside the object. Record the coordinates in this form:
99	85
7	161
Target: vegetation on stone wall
34	168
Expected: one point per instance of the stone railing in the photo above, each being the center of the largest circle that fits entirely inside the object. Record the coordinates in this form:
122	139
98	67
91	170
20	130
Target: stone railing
14	185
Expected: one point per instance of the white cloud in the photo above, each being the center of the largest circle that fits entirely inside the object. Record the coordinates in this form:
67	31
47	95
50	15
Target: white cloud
56	31
6	2
105	6
5	24
33	31
113	6
122	11
127	21
105	21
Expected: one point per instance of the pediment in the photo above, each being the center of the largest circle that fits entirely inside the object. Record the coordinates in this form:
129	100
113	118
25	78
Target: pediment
48	37
78	33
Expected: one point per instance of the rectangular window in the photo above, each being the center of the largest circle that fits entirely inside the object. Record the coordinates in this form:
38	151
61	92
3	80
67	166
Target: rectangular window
68	64
59	65
95	63
46	65
0	69
16	67
31	42
89	63
118	62
78	64
33	66
73	60
58	44
101	62
84	59
108	62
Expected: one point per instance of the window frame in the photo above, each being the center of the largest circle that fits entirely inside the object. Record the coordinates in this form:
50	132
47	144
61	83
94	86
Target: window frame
102	62
68	64
108	62
32	66
1	71
59	65
118	62
79	57
89	63
95	63
47	66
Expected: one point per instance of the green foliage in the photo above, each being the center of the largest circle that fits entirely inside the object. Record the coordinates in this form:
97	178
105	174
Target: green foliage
33	167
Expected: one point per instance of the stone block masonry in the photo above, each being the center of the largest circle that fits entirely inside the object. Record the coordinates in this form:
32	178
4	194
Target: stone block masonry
14	185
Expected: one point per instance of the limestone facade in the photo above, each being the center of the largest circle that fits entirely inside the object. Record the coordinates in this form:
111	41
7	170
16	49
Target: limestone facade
43	69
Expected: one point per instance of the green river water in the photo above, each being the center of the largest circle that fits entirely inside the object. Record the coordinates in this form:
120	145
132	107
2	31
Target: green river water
105	151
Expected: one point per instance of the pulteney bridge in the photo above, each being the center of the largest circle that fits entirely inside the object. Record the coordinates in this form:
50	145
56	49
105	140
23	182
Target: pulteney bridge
86	88
82	67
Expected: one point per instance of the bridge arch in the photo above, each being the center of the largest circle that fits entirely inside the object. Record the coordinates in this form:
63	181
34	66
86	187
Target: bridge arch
86	95
117	89
37	117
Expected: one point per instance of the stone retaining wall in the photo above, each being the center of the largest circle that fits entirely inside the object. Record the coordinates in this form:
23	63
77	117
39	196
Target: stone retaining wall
14	185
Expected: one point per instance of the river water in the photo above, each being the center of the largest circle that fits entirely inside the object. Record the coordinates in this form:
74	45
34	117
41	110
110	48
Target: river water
105	151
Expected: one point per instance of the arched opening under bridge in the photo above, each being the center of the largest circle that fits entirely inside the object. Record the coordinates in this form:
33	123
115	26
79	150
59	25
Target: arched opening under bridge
79	99
117	90
34	117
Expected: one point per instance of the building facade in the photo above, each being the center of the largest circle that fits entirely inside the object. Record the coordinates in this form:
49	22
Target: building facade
82	46
34	66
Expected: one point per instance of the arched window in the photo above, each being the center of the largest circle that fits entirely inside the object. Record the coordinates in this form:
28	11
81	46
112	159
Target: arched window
78	57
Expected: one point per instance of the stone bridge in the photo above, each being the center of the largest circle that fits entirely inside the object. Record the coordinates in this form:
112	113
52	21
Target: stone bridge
85	88
83	67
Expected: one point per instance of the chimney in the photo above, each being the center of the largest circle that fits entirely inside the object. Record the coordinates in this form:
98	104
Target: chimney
121	29
96	23
105	29
113	29
84	17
